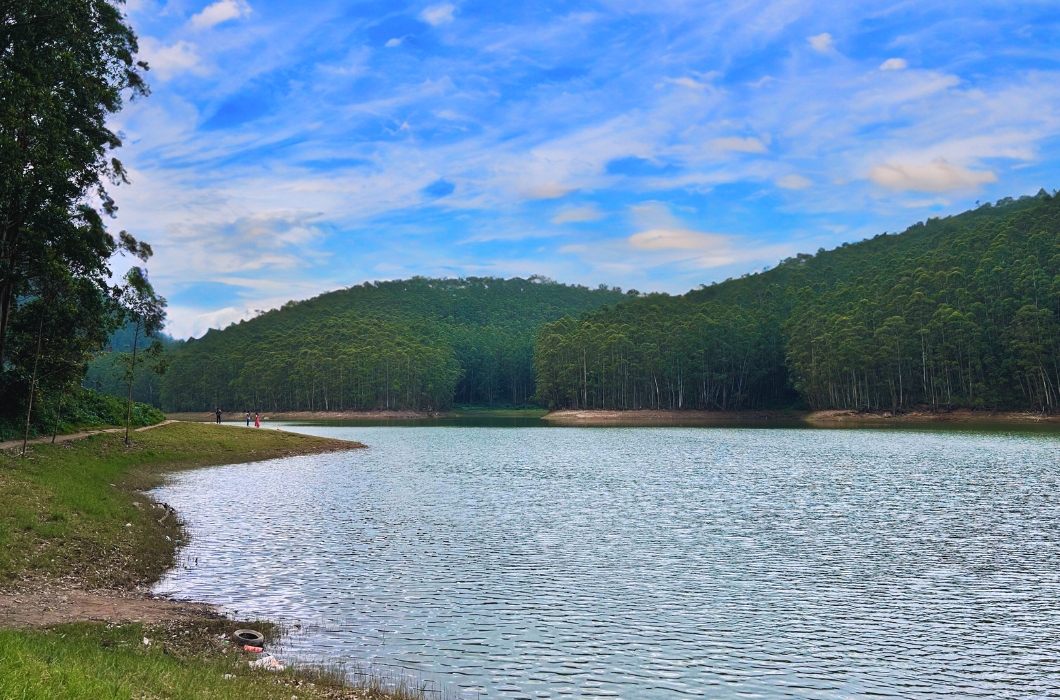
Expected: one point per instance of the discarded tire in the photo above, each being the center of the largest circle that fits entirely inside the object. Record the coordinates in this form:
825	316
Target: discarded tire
248	637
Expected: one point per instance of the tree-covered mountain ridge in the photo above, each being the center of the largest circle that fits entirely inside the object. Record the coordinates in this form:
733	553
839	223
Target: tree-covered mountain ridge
416	344
959	311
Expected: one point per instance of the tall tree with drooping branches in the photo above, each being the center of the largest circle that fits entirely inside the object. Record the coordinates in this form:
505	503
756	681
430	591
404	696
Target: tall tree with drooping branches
66	66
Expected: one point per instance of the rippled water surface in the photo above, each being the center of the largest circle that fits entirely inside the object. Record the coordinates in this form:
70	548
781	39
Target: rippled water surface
650	562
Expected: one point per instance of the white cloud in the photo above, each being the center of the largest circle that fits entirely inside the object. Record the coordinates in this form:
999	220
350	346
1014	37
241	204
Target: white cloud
834	120
164	60
578	215
794	182
937	176
822	43
220	11
548	190
676	239
894	64
437	14
743	145
396	41
690	83
679	245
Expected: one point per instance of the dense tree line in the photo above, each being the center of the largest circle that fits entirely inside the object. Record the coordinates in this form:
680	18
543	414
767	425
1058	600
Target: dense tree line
419	344
66	66
955	312
107	371
663	352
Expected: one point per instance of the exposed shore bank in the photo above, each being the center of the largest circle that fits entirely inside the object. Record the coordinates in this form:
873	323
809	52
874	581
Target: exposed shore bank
237	416
468	412
647	417
80	545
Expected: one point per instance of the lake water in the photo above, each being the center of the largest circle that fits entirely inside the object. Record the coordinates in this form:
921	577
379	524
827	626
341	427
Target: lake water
642	563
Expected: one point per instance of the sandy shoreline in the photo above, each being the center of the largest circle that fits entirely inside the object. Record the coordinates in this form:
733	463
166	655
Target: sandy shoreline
655	417
649	417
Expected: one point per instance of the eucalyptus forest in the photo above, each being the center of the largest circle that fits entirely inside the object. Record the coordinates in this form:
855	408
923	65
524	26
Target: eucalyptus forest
954	312
417	344
961	311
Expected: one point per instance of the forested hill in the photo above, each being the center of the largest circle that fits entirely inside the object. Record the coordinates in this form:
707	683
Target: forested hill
955	312
412	344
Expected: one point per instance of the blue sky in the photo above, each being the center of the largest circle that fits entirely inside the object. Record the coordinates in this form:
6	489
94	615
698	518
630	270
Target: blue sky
292	148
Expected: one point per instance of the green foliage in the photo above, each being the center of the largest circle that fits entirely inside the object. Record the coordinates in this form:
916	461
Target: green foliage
955	312
663	352
66	67
106	372
418	344
80	409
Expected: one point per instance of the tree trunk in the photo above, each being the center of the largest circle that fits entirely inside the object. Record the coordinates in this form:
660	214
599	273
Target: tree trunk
33	383
5	311
58	416
132	378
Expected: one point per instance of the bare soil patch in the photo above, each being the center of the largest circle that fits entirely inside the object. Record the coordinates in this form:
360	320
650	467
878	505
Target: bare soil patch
956	416
45	605
648	417
657	417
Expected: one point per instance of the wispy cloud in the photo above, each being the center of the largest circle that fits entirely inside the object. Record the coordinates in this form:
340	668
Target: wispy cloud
437	14
578	215
749	144
936	176
794	182
822	43
166	61
218	12
319	145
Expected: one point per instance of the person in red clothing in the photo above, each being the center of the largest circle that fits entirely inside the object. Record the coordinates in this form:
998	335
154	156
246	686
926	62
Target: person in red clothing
257	421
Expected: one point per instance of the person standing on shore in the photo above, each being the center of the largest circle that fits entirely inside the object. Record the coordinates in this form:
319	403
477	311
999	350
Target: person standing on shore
257	420
248	419
218	415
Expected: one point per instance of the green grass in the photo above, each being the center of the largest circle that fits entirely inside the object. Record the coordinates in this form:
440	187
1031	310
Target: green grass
63	515
64	509
98	661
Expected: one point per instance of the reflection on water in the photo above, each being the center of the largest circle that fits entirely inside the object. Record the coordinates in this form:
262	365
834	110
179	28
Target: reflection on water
650	563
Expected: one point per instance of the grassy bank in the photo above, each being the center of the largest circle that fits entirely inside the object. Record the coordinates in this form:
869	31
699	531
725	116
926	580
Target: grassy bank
73	511
73	517
187	661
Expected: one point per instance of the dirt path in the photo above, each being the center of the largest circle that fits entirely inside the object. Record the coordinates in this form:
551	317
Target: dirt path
37	607
12	444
